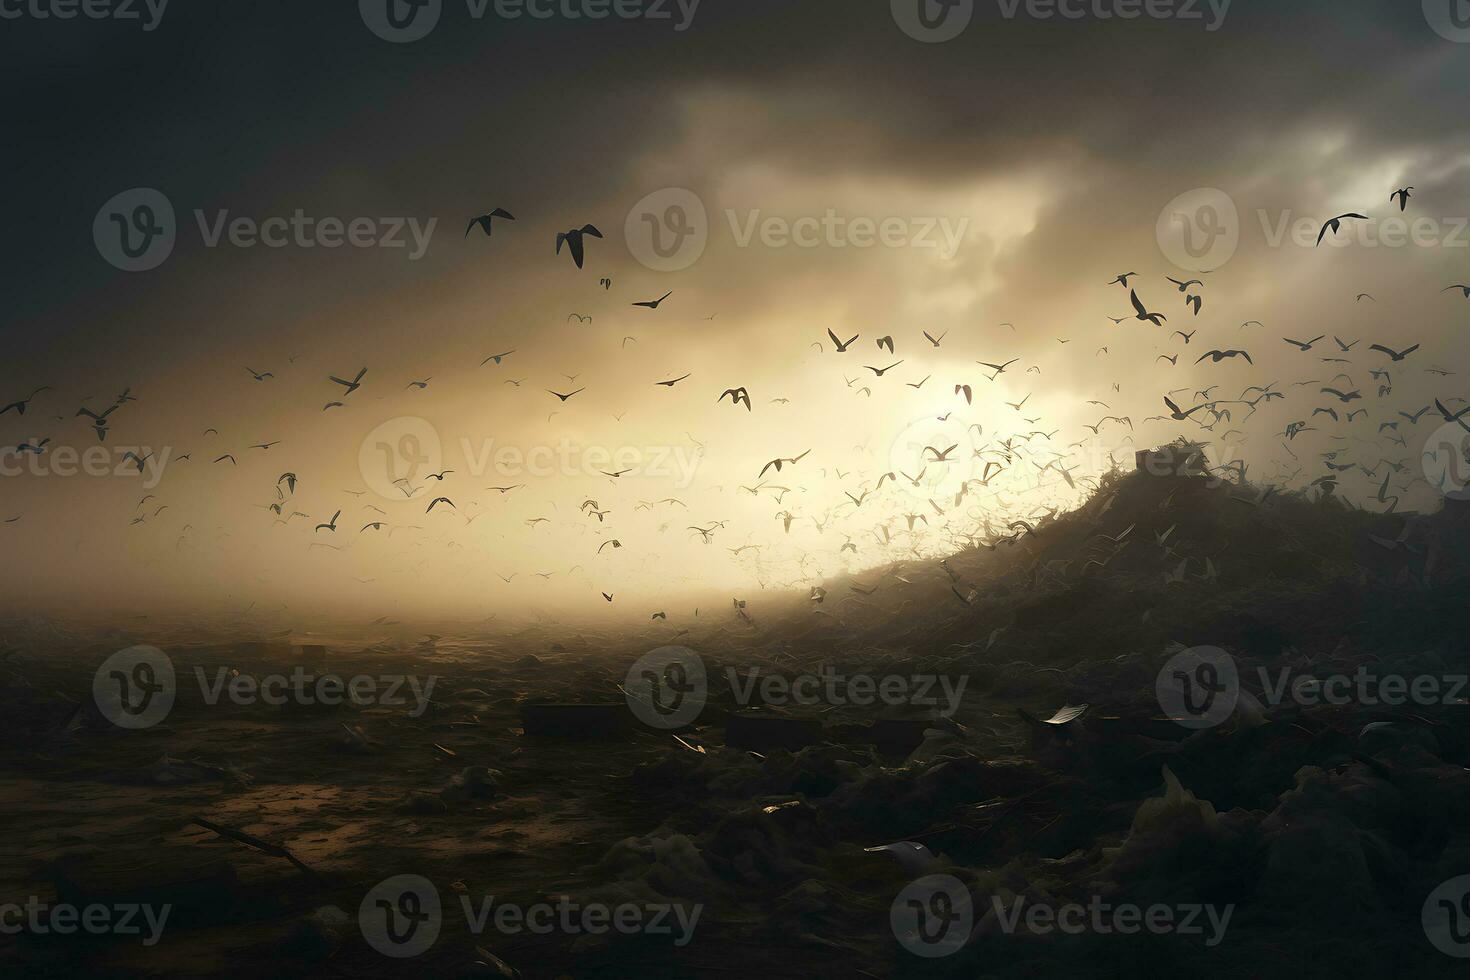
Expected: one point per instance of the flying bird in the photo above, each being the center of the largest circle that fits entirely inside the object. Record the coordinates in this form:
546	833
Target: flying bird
1177	414
999	369
1156	319
20	404
778	463
737	395
653	303
483	220
1216	356
352	385
1396	355
573	240
1335	224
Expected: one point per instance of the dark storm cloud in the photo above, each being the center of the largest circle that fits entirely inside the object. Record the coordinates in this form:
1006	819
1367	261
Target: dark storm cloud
269	105
268	97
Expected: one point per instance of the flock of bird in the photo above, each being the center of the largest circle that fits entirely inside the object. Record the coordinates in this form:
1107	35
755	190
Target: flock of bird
1001	469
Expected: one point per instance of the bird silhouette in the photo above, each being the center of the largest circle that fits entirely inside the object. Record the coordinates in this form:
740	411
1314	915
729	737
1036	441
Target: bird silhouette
483	220
574	241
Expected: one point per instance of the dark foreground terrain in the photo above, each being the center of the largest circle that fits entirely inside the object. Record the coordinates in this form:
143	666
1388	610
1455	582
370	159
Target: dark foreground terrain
1315	822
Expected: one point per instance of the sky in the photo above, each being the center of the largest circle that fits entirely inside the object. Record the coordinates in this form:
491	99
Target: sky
781	170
